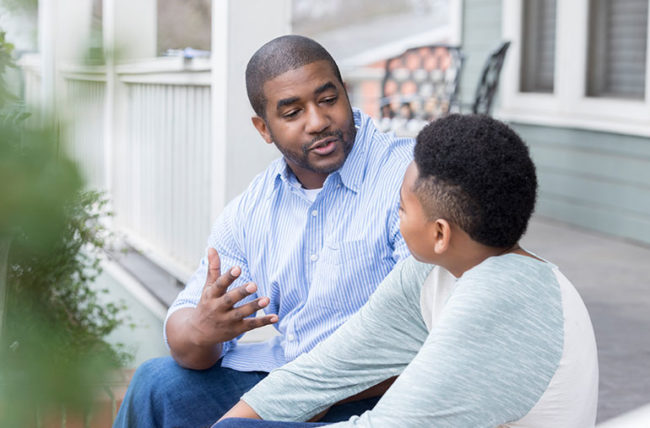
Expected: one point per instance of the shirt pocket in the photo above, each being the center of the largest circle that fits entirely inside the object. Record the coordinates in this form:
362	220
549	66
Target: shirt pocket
348	273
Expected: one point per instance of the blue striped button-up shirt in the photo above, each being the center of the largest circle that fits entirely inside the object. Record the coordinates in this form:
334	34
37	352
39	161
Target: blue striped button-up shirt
319	261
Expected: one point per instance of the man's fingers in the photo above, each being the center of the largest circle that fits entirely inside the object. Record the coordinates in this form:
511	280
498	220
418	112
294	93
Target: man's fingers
253	323
224	281
214	266
250	308
230	299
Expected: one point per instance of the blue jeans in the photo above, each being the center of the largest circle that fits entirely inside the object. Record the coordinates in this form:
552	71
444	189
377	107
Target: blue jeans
256	423
163	394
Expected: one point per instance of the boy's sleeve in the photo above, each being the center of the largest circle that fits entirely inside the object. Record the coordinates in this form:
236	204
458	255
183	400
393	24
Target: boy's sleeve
487	361
374	344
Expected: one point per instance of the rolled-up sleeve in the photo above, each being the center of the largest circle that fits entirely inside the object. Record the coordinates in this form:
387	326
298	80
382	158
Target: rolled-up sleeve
223	238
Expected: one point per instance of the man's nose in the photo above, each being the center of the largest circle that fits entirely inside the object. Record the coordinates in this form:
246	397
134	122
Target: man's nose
317	121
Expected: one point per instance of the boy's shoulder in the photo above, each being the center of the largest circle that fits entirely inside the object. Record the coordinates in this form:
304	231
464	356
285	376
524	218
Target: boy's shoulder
514	284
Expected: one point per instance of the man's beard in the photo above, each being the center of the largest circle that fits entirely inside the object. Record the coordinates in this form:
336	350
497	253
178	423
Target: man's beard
302	159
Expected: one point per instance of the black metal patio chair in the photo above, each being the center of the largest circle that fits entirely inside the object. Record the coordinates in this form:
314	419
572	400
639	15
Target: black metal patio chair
489	81
419	85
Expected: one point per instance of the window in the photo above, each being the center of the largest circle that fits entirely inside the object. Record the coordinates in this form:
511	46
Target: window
618	33
578	64
538	46
184	24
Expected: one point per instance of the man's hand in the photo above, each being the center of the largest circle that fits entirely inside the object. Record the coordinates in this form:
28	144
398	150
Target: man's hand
195	335
216	318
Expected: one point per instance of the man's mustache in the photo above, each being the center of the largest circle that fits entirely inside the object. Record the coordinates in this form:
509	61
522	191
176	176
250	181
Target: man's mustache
338	134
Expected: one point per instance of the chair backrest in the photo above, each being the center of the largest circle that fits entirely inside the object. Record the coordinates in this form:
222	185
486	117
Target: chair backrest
422	83
489	81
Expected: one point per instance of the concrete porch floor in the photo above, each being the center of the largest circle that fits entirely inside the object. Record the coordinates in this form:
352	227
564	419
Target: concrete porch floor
613	278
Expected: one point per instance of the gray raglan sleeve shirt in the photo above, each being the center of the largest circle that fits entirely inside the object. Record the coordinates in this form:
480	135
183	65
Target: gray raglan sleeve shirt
487	361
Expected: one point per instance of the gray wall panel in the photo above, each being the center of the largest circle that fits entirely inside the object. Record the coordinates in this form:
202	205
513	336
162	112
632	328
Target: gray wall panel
593	179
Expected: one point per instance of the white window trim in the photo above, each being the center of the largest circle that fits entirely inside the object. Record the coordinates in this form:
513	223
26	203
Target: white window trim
567	106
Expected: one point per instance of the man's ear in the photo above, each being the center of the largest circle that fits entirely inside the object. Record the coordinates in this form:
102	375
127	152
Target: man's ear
260	125
442	236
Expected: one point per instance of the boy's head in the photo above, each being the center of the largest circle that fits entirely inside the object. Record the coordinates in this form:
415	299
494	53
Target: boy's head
475	173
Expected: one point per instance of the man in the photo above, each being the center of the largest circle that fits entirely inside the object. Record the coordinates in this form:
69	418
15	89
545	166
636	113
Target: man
307	242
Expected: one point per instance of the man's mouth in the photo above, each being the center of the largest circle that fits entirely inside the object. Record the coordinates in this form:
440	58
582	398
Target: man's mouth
325	146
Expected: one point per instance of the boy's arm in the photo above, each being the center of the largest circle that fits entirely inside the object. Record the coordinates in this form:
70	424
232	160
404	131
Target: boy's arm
375	344
487	362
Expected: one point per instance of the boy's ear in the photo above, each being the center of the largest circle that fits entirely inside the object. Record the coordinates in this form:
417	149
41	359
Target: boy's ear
442	236
260	125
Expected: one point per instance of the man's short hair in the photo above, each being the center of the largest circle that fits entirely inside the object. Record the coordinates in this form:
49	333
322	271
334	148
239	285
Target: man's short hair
278	56
480	175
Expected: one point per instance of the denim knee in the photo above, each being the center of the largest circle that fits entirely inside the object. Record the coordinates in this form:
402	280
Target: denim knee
234	423
157	375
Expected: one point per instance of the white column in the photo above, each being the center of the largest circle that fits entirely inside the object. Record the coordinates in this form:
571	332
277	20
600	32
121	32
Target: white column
47	49
61	39
239	28
456	22
108	42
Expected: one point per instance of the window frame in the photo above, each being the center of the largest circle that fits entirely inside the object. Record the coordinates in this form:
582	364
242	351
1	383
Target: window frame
568	105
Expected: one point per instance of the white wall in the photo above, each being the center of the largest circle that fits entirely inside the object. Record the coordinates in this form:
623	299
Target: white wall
239	28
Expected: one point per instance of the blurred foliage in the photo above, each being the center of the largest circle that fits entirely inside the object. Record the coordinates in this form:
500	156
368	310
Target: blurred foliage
11	111
53	354
23	5
36	183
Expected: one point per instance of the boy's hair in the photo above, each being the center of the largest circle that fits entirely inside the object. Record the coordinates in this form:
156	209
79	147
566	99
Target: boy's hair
278	56
480	175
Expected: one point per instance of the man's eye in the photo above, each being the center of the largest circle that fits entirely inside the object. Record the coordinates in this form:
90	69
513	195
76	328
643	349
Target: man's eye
329	100
290	114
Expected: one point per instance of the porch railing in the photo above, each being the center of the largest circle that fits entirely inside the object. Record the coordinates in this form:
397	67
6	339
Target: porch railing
147	142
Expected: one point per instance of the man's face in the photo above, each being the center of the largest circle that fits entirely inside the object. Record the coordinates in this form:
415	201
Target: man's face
309	118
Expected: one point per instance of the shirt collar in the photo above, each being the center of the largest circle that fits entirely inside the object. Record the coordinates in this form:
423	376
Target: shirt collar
353	170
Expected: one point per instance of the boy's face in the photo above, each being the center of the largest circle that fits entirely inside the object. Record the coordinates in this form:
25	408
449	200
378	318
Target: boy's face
417	230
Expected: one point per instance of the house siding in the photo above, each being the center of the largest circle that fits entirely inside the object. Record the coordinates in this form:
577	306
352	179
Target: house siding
592	179
597	180
480	35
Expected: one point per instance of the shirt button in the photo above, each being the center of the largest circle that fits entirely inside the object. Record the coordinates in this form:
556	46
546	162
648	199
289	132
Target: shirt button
313	257
314	213
291	337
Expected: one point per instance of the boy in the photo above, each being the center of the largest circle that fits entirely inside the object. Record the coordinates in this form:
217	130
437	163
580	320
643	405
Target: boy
492	335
